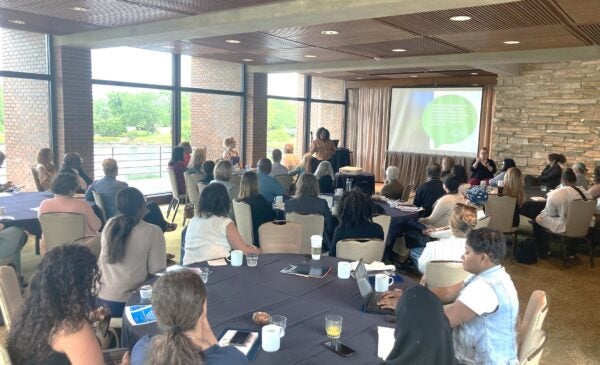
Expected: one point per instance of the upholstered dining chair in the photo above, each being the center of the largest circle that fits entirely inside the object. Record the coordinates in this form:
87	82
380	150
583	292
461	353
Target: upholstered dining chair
533	348
286	182
406	192
280	237
384	221
243	220
577	226
36	179
4	358
10	294
441	274
59	228
368	250
533	318
178	196
100	204
312	224
191	189
501	209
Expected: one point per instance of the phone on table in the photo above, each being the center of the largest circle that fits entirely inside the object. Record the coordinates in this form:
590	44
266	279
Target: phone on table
240	338
339	348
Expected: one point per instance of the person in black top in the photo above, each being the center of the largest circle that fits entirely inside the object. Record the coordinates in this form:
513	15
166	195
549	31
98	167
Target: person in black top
261	209
483	169
208	168
552	172
324	175
72	164
307	201
430	191
355	212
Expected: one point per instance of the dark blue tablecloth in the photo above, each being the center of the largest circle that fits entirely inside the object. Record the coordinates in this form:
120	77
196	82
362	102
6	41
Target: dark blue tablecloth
234	293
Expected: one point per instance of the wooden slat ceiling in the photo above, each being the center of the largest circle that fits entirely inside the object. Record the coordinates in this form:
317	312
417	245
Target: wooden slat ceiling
536	24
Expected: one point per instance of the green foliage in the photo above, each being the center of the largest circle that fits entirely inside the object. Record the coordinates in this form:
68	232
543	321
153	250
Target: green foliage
281	123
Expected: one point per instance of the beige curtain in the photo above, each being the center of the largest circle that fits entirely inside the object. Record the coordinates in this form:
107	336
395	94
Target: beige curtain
412	165
352	121
485	126
368	121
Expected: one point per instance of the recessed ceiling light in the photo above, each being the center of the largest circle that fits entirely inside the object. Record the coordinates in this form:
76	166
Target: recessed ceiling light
247	59
414	76
474	73
310	56
232	41
398	50
511	42
330	32
16	21
358	78
79	8
460	18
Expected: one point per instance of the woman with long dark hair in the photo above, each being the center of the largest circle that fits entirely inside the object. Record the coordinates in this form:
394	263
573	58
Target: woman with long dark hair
355	212
178	165
262	211
54	324
179	303
131	250
507	163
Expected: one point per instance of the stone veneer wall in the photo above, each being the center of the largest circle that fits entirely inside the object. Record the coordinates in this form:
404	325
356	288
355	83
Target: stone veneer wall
550	107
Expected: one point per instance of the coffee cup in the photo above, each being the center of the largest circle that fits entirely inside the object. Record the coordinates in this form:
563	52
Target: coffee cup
343	270
383	282
339	192
279	199
237	257
316	242
271	337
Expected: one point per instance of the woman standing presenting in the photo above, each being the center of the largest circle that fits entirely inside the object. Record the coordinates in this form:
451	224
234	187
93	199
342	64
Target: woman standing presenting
230	154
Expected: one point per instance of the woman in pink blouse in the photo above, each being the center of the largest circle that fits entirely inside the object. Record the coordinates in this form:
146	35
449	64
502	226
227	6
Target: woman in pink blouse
64	186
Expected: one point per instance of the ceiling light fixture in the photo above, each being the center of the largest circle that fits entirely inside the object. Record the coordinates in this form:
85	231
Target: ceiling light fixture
414	76
460	18
358	78
511	42
310	56
232	41
474	73
79	8
330	32
16	21
398	50
247	59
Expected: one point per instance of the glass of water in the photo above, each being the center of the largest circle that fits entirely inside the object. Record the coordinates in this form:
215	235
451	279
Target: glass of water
252	259
280	321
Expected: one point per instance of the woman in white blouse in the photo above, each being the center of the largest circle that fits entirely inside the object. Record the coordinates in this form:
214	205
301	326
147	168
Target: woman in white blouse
211	234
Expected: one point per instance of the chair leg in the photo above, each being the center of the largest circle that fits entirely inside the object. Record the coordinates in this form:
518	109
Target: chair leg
590	252
515	246
176	208
170	205
564	254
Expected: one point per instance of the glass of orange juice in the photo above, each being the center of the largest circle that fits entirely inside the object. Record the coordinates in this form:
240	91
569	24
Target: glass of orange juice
333	326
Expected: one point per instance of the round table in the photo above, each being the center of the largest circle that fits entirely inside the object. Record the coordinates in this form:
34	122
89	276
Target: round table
234	293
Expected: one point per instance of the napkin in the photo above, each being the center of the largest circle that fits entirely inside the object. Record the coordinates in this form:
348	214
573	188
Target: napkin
217	262
386	341
374	266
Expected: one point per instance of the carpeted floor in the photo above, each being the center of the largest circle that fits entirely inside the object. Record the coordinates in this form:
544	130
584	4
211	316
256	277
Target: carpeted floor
573	321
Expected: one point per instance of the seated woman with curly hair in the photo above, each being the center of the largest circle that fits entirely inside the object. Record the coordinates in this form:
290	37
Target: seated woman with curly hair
355	212
54	324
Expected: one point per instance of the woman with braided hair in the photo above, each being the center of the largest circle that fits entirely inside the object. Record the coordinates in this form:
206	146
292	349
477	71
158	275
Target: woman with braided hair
179	303
355	212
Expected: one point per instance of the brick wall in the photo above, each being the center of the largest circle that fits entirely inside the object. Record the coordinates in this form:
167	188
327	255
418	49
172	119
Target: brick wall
215	117
26	104
256	117
74	117
550	107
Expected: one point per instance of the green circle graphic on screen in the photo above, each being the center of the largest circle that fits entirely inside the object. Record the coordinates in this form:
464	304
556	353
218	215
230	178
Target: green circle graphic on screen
449	119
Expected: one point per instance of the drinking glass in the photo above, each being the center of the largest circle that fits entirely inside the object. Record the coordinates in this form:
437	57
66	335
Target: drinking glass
252	259
280	321
333	326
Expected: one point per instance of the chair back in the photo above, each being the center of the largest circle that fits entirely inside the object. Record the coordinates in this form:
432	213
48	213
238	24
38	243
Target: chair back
4	358
201	187
280	237
534	316
191	187
441	274
483	222
243	220
368	250
312	224
36	179
531	353
579	217
174	187
406	192
59	228
100	204
10	294
286	182
384	221
501	210
236	180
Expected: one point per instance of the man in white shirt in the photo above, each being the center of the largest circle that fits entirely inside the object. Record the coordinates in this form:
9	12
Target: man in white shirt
276	167
554	215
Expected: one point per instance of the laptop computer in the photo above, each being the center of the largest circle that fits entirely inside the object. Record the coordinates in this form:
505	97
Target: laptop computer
368	294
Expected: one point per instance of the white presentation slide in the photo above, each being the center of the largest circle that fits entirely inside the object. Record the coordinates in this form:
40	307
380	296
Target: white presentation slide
438	121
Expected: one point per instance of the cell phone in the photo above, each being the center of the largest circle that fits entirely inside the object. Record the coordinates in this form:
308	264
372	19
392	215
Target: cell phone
240	338
339	348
